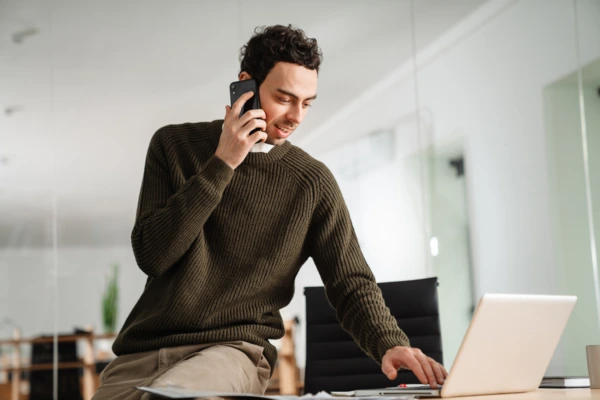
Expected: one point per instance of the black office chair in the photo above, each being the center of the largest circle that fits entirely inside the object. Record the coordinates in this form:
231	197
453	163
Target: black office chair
335	362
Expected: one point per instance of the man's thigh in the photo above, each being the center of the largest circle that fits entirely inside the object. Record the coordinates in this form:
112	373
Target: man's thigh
237	367
123	374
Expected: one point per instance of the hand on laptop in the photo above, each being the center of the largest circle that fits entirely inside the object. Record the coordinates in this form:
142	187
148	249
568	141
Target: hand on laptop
425	368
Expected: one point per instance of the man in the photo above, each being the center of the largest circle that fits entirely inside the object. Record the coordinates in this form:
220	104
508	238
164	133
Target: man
225	221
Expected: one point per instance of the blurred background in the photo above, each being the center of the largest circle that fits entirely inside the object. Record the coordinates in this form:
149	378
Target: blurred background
464	134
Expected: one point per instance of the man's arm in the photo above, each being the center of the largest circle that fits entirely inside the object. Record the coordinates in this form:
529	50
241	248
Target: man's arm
352	290
167	223
349	282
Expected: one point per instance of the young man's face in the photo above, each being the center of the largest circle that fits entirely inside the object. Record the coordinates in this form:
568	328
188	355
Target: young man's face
285	96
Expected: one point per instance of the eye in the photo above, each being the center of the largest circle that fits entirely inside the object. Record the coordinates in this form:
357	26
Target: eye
307	105
285	101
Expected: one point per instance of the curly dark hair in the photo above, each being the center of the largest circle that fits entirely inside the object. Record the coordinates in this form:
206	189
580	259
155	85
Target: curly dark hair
272	44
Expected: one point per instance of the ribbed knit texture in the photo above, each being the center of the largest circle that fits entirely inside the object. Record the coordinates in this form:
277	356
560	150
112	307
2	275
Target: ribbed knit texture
222	248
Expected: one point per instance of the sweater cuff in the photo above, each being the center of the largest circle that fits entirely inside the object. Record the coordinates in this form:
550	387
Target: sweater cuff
217	172
387	342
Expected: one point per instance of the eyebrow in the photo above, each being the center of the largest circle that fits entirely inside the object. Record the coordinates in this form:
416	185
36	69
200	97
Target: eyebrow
295	96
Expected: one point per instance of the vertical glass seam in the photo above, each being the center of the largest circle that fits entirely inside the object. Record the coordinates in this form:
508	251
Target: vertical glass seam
421	150
586	168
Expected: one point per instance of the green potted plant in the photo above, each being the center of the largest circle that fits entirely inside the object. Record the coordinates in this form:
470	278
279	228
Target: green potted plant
110	300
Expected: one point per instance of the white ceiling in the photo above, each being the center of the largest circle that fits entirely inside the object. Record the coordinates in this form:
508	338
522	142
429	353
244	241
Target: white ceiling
99	78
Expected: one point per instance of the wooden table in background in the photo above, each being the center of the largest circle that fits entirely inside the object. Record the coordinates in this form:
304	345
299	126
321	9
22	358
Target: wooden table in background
88	362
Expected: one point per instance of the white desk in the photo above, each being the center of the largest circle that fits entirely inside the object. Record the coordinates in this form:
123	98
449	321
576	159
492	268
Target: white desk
543	394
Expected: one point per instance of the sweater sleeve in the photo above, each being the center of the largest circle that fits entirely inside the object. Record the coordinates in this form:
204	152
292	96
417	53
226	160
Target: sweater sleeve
168	222
349	282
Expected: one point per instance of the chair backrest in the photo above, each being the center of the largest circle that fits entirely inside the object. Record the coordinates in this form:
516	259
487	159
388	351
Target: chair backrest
335	362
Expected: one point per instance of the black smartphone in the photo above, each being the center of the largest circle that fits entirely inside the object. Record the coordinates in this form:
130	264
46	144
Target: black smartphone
236	89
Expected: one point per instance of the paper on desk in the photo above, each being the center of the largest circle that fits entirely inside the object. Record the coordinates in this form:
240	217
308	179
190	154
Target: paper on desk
175	392
351	394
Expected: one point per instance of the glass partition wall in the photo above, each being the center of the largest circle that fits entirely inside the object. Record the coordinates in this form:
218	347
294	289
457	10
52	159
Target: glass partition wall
501	202
587	75
28	263
463	136
506	174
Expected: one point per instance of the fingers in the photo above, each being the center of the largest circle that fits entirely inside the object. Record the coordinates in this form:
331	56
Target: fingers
244	126
239	103
261	136
427	369
444	372
252	125
437	370
388	368
249	121
252	114
415	366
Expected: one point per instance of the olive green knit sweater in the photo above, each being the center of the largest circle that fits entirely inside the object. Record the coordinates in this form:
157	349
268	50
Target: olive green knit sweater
222	247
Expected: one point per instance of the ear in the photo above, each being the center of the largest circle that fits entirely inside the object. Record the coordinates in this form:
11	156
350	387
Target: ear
244	76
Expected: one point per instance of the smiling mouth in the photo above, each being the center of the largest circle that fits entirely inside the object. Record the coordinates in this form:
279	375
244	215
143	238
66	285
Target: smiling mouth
282	129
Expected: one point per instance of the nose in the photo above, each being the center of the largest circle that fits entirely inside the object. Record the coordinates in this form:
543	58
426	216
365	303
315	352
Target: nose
295	114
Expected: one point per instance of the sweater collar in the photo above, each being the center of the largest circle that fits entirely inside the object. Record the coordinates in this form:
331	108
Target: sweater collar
276	153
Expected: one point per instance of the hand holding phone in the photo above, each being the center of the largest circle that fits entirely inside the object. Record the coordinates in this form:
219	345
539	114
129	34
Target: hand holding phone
243	126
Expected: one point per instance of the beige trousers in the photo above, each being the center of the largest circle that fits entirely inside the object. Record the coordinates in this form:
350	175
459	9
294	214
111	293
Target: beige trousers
232	367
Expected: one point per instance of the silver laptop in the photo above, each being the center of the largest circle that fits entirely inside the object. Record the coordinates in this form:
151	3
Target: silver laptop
506	349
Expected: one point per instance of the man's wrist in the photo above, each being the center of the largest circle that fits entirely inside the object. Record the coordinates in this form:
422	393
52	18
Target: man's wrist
224	160
392	348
